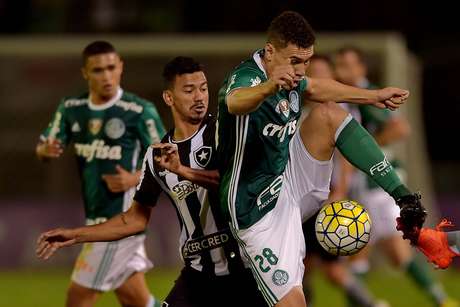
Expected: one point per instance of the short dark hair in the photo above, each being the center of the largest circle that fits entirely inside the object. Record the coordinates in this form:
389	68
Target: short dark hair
353	49
178	66
97	47
290	27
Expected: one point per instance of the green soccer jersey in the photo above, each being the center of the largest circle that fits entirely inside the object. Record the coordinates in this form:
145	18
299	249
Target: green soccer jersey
103	136
254	148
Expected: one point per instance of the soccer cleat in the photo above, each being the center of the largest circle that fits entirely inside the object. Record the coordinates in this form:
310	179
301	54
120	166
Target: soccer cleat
433	243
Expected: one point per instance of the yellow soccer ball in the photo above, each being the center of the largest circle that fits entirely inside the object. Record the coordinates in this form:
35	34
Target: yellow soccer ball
343	227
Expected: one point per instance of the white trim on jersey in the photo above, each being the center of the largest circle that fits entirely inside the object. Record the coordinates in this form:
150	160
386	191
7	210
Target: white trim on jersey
258	60
241	134
129	194
108	104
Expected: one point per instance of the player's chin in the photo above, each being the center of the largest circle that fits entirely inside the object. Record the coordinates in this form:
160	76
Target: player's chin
197	117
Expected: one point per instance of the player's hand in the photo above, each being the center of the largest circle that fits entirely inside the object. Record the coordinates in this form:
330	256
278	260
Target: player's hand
49	242
49	149
122	181
412	216
391	98
284	76
167	156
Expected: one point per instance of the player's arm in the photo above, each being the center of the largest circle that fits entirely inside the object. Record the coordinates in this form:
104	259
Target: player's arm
244	96
54	137
323	90
123	225
167	157
128	223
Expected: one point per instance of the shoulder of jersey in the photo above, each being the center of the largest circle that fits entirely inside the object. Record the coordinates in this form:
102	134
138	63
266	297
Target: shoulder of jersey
75	101
132	102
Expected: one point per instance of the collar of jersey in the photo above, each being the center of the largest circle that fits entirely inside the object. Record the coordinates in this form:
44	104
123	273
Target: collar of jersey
258	60
108	104
171	140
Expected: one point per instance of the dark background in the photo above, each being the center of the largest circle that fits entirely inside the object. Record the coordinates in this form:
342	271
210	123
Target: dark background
431	30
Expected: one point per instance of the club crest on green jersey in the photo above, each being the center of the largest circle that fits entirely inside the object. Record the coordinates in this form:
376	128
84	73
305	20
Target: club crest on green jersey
283	107
114	128
202	155
94	125
294	101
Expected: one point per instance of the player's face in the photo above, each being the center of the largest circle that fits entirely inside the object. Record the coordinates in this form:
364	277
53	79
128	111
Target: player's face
320	69
103	73
190	96
297	57
349	68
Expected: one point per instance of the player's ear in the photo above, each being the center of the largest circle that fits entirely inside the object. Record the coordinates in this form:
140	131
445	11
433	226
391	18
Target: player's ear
84	73
269	51
167	97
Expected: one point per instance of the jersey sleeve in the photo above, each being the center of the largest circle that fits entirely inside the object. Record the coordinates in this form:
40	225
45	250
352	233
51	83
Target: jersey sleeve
58	128
150	127
375	117
148	190
244	77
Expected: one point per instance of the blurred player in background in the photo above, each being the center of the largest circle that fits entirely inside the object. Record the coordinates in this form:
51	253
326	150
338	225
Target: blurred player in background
182	166
387	128
334	267
110	129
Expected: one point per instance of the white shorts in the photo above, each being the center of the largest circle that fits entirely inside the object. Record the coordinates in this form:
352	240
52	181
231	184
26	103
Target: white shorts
105	266
275	246
383	212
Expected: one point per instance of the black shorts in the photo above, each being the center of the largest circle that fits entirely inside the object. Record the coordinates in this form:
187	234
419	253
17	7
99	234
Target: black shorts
311	243
196	289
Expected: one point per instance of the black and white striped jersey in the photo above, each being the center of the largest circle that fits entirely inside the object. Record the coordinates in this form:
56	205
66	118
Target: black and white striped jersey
206	243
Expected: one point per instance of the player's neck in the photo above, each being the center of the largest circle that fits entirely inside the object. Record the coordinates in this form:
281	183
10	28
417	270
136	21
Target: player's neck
184	130
100	100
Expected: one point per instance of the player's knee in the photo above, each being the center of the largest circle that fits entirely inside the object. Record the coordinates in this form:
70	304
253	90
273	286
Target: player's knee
328	113
78	296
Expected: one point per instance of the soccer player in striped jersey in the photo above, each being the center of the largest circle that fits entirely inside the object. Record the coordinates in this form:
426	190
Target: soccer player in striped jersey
182	166
110	129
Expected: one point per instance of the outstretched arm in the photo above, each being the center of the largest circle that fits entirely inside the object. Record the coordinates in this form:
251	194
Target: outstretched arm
167	156
323	90
128	223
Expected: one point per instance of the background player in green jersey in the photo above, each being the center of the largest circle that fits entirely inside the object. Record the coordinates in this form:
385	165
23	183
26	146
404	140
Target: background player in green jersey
109	129
387	128
274	175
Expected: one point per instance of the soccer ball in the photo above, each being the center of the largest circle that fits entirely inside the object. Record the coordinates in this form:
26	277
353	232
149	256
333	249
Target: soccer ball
343	227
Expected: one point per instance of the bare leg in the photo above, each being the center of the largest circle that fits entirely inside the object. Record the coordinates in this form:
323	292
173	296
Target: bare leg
294	298
134	291
79	296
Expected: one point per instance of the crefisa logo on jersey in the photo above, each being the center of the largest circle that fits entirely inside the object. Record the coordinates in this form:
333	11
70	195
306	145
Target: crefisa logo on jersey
114	128
94	125
203	155
294	101
283	107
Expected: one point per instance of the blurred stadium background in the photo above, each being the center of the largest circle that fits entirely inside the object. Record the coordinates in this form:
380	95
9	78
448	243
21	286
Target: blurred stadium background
408	45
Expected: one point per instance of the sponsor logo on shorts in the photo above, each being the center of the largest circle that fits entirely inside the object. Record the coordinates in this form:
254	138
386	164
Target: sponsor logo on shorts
114	128
270	194
280	277
205	243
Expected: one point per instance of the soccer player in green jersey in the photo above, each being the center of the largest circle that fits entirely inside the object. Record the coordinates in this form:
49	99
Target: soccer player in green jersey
387	128
275	174
109	128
